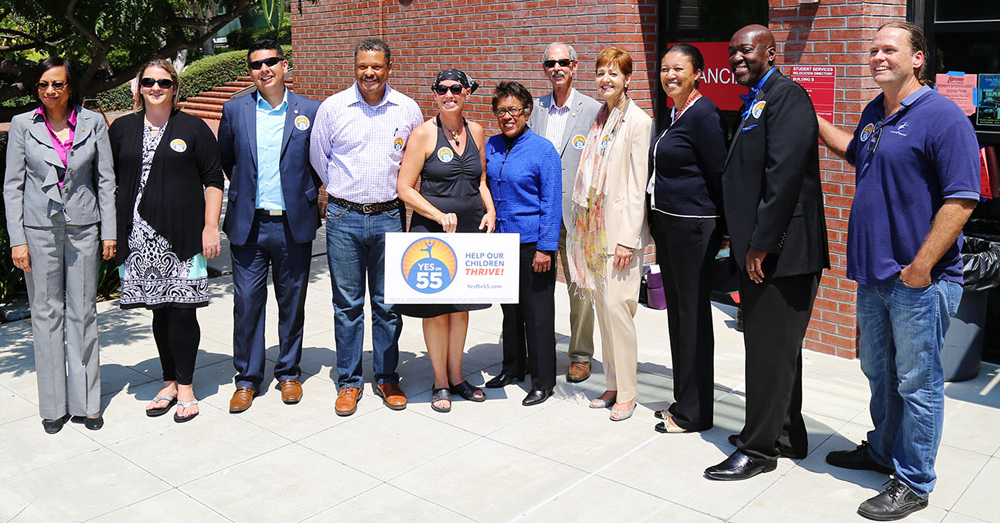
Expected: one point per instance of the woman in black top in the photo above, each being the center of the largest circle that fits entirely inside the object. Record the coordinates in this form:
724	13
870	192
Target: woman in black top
687	159
446	153
169	199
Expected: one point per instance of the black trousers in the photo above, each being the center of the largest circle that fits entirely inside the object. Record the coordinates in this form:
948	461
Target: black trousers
776	315
529	326
685	252
177	336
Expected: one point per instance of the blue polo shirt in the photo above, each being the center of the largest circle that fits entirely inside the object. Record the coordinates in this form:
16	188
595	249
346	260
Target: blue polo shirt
270	132
923	154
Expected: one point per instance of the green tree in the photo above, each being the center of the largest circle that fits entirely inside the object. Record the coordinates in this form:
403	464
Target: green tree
109	40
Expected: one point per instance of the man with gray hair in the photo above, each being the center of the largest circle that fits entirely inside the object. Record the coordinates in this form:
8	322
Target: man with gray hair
564	117
356	148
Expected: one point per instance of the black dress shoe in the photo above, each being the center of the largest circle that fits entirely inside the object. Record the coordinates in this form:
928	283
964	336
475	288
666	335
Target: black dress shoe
503	379
739	466
94	423
52	426
858	459
783	451
536	396
895	502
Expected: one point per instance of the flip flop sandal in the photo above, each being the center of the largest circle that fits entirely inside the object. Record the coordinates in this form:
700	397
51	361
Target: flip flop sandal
186	404
468	392
152	413
441	394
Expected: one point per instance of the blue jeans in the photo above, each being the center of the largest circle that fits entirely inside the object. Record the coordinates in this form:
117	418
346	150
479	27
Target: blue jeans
902	333
355	248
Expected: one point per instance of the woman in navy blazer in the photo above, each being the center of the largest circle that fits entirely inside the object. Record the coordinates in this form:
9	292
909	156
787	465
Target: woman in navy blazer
524	174
685	221
59	196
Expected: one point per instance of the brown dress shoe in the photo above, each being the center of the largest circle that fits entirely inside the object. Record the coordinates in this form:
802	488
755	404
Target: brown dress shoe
242	399
578	371
291	391
347	401
392	396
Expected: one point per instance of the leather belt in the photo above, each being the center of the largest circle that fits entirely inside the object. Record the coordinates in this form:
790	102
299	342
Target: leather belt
268	212
368	208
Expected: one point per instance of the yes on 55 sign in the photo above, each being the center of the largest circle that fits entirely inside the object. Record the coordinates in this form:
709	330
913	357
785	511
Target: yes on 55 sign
451	268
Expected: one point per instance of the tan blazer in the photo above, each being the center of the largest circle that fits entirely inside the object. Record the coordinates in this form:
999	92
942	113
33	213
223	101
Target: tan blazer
625	215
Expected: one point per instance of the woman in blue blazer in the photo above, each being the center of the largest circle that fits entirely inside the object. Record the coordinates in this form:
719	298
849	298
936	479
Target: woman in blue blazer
524	173
59	194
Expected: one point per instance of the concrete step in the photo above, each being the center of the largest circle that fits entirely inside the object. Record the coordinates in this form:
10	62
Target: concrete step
215	94
208	100
203	107
207	115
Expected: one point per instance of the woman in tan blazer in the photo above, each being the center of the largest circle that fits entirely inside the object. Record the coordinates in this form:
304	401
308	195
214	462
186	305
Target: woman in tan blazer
605	250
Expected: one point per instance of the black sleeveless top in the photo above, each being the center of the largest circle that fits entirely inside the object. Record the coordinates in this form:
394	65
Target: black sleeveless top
450	182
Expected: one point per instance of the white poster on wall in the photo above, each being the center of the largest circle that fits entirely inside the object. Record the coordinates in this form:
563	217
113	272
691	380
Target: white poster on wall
451	268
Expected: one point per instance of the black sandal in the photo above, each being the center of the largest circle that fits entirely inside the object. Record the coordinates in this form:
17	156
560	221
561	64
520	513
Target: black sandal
468	392
441	394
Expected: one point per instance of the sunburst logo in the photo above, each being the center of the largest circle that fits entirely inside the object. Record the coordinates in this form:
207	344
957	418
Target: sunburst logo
429	265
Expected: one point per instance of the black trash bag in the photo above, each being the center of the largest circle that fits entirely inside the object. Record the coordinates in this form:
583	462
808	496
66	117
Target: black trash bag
980	264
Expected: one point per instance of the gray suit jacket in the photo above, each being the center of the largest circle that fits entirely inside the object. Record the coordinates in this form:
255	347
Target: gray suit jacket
31	186
581	116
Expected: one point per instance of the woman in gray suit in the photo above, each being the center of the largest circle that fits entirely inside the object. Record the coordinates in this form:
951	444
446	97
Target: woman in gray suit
59	194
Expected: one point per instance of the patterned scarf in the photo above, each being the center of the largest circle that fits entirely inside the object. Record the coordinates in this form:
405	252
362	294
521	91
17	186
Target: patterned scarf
587	242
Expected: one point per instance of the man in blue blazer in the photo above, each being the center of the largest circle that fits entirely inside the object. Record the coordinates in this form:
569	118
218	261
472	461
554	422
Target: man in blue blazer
271	219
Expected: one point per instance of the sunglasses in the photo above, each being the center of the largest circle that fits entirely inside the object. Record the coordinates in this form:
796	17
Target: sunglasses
58	86
455	89
164	83
270	62
549	64
514	111
876	134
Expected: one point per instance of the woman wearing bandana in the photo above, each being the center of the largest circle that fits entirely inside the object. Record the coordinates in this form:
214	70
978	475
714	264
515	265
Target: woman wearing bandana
446	154
605	247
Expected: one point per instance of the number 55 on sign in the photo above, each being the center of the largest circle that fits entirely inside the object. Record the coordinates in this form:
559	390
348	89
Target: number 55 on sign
451	268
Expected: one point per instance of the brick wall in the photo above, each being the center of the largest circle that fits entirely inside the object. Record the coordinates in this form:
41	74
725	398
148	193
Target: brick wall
489	39
837	33
496	40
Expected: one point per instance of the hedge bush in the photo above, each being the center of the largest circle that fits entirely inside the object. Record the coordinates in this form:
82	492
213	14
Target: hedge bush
201	75
242	38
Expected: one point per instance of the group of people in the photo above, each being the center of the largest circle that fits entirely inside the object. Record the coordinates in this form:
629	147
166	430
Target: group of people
589	179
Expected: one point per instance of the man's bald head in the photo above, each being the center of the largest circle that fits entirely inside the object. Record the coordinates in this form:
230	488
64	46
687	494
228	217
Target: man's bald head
751	54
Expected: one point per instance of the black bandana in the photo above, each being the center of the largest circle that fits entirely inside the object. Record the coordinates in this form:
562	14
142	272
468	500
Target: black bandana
457	76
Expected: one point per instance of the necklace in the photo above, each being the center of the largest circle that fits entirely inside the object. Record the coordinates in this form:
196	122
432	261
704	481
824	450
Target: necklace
694	96
454	134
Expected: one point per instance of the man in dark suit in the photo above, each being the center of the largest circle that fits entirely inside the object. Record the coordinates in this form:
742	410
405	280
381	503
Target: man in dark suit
774	208
271	219
564	117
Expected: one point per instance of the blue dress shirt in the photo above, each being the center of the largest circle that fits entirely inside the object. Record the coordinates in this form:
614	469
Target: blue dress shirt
270	129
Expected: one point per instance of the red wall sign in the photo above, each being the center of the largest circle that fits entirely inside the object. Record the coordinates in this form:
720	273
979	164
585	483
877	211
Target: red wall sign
820	82
717	82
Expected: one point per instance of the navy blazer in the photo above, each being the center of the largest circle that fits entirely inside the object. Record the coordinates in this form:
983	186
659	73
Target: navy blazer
771	185
299	182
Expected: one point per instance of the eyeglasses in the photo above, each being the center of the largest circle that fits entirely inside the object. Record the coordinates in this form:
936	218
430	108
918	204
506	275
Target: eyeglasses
549	64
164	83
876	134
270	62
58	86
514	111
454	88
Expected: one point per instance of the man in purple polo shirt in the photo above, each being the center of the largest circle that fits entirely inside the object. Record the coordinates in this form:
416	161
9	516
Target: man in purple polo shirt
917	164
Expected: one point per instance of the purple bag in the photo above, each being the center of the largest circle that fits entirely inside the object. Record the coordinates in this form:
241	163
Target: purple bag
652	288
